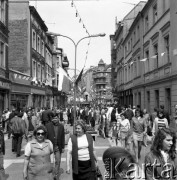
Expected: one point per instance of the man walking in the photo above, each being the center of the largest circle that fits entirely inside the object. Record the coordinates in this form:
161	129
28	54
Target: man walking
56	134
31	123
18	130
92	117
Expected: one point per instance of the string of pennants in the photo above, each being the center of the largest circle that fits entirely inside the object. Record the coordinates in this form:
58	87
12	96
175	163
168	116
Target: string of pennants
84	26
27	78
144	59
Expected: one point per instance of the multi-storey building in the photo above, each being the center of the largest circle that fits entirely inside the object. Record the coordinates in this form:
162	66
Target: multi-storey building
30	56
124	43
113	66
32	53
4	75
102	83
150	66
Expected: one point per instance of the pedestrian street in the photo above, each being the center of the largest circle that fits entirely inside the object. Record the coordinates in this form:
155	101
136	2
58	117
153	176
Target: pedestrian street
14	166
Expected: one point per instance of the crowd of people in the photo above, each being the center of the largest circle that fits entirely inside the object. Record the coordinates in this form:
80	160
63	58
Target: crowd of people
127	127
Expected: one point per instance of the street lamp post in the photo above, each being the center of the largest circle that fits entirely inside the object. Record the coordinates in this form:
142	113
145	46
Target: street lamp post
75	46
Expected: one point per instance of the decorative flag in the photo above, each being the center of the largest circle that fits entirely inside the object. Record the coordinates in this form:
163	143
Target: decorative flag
174	52
19	76
15	76
162	54
79	77
154	56
143	59
131	63
64	80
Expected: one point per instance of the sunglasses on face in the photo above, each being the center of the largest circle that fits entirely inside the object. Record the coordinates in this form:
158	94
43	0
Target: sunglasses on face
42	134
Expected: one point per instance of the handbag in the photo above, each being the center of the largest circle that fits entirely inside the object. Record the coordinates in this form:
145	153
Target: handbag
98	174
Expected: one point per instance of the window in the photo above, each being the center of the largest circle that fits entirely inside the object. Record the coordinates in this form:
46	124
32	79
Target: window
157	98
131	71
167	47
147	61
131	44
43	73
155	57
34	68
146	23
168	99
134	37
139	99
129	47
148	101
47	72
2	54
38	44
3	11
39	72
135	68
34	40
42	48
138	32
155	15
138	66
129	75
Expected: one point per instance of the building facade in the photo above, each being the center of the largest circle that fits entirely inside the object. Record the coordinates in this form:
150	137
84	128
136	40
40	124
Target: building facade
4	73
102	83
149	66
32	59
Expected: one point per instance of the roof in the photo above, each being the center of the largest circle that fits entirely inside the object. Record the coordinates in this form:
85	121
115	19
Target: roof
101	62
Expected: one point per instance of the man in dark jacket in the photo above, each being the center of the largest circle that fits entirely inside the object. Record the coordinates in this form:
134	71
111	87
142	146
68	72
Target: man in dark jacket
18	130
46	116
56	134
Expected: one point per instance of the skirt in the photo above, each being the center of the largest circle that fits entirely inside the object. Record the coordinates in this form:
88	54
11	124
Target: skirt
84	171
123	135
138	136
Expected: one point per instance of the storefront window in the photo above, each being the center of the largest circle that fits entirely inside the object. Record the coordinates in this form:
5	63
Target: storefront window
19	101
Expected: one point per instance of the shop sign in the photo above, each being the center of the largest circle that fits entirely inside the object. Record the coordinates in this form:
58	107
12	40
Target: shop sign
4	85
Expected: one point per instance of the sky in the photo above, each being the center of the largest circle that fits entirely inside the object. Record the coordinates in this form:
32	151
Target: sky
96	16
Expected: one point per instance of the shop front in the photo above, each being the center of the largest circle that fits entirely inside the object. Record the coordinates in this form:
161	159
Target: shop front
20	96
4	95
49	97
38	98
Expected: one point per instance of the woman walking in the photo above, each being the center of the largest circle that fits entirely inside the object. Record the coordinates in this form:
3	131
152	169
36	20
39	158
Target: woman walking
124	130
37	163
81	149
139	129
159	122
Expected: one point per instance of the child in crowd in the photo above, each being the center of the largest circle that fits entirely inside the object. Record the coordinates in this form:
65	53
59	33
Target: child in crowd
114	133
124	130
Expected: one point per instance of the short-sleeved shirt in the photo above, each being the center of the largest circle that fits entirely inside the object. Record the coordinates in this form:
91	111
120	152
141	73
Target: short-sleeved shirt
28	147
